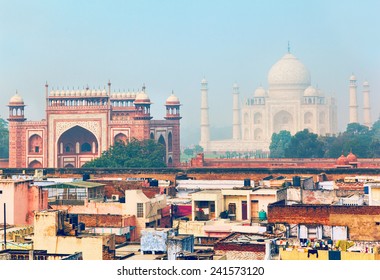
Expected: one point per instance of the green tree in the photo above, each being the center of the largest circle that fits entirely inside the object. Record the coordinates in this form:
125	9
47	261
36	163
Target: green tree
4	139
357	138
198	149
375	144
135	154
279	142
189	152
332	146
305	144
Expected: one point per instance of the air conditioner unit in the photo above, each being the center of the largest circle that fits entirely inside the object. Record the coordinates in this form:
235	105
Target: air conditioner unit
115	197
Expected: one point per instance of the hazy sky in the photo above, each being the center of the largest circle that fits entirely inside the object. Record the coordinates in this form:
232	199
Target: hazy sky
172	45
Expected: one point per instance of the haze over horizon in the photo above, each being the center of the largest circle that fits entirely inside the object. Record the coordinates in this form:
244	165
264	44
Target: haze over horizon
172	45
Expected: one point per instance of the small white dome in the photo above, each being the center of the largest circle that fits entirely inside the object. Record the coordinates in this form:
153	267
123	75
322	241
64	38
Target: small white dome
365	84
142	97
104	92
310	91
260	92
16	99
172	99
352	77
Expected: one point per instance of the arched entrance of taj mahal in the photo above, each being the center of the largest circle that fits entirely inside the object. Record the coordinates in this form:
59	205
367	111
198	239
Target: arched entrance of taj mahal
75	147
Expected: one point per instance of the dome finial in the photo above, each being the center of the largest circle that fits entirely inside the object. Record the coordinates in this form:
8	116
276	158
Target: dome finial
288	46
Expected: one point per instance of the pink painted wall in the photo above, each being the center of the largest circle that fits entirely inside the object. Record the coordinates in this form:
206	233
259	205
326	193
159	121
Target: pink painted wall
21	203
183	211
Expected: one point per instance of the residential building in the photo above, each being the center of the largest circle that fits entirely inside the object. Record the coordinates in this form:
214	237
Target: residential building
54	233
21	199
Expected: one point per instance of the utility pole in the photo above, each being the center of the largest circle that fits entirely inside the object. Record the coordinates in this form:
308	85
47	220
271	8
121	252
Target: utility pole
5	226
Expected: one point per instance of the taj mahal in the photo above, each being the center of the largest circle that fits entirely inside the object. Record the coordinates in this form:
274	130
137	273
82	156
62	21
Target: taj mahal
289	103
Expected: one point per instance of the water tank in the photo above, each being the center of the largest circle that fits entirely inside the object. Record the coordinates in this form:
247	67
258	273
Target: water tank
81	226
297	181
247	182
153	183
366	190
85	177
262	215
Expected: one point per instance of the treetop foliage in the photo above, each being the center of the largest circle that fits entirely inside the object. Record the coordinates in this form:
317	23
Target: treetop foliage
359	139
135	154
4	139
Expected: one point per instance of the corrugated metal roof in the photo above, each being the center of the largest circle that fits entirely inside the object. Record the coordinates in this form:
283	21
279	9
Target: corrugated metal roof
77	184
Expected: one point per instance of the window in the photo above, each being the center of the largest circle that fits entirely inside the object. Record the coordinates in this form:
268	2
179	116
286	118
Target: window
140	210
86	147
36	149
212	208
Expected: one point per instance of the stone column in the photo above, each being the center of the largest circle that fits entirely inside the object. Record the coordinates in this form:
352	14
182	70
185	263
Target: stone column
205	126
353	101
366	105
236	134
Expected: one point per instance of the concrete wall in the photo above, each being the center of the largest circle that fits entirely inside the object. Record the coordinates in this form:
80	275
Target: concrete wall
46	228
155	240
180	243
195	228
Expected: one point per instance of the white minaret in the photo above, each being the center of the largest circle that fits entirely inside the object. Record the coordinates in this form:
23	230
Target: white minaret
205	126
366	105
353	100
236	135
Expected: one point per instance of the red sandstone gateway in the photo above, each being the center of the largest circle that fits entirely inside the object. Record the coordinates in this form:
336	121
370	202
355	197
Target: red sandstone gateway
81	124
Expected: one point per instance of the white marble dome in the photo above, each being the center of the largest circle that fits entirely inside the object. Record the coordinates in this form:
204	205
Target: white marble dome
288	71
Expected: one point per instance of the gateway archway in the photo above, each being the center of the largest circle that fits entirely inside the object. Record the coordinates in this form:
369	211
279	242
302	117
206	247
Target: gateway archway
76	146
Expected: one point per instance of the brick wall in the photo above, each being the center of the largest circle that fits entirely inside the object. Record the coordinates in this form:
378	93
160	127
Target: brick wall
239	247
98	220
108	254
299	214
362	221
241	255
